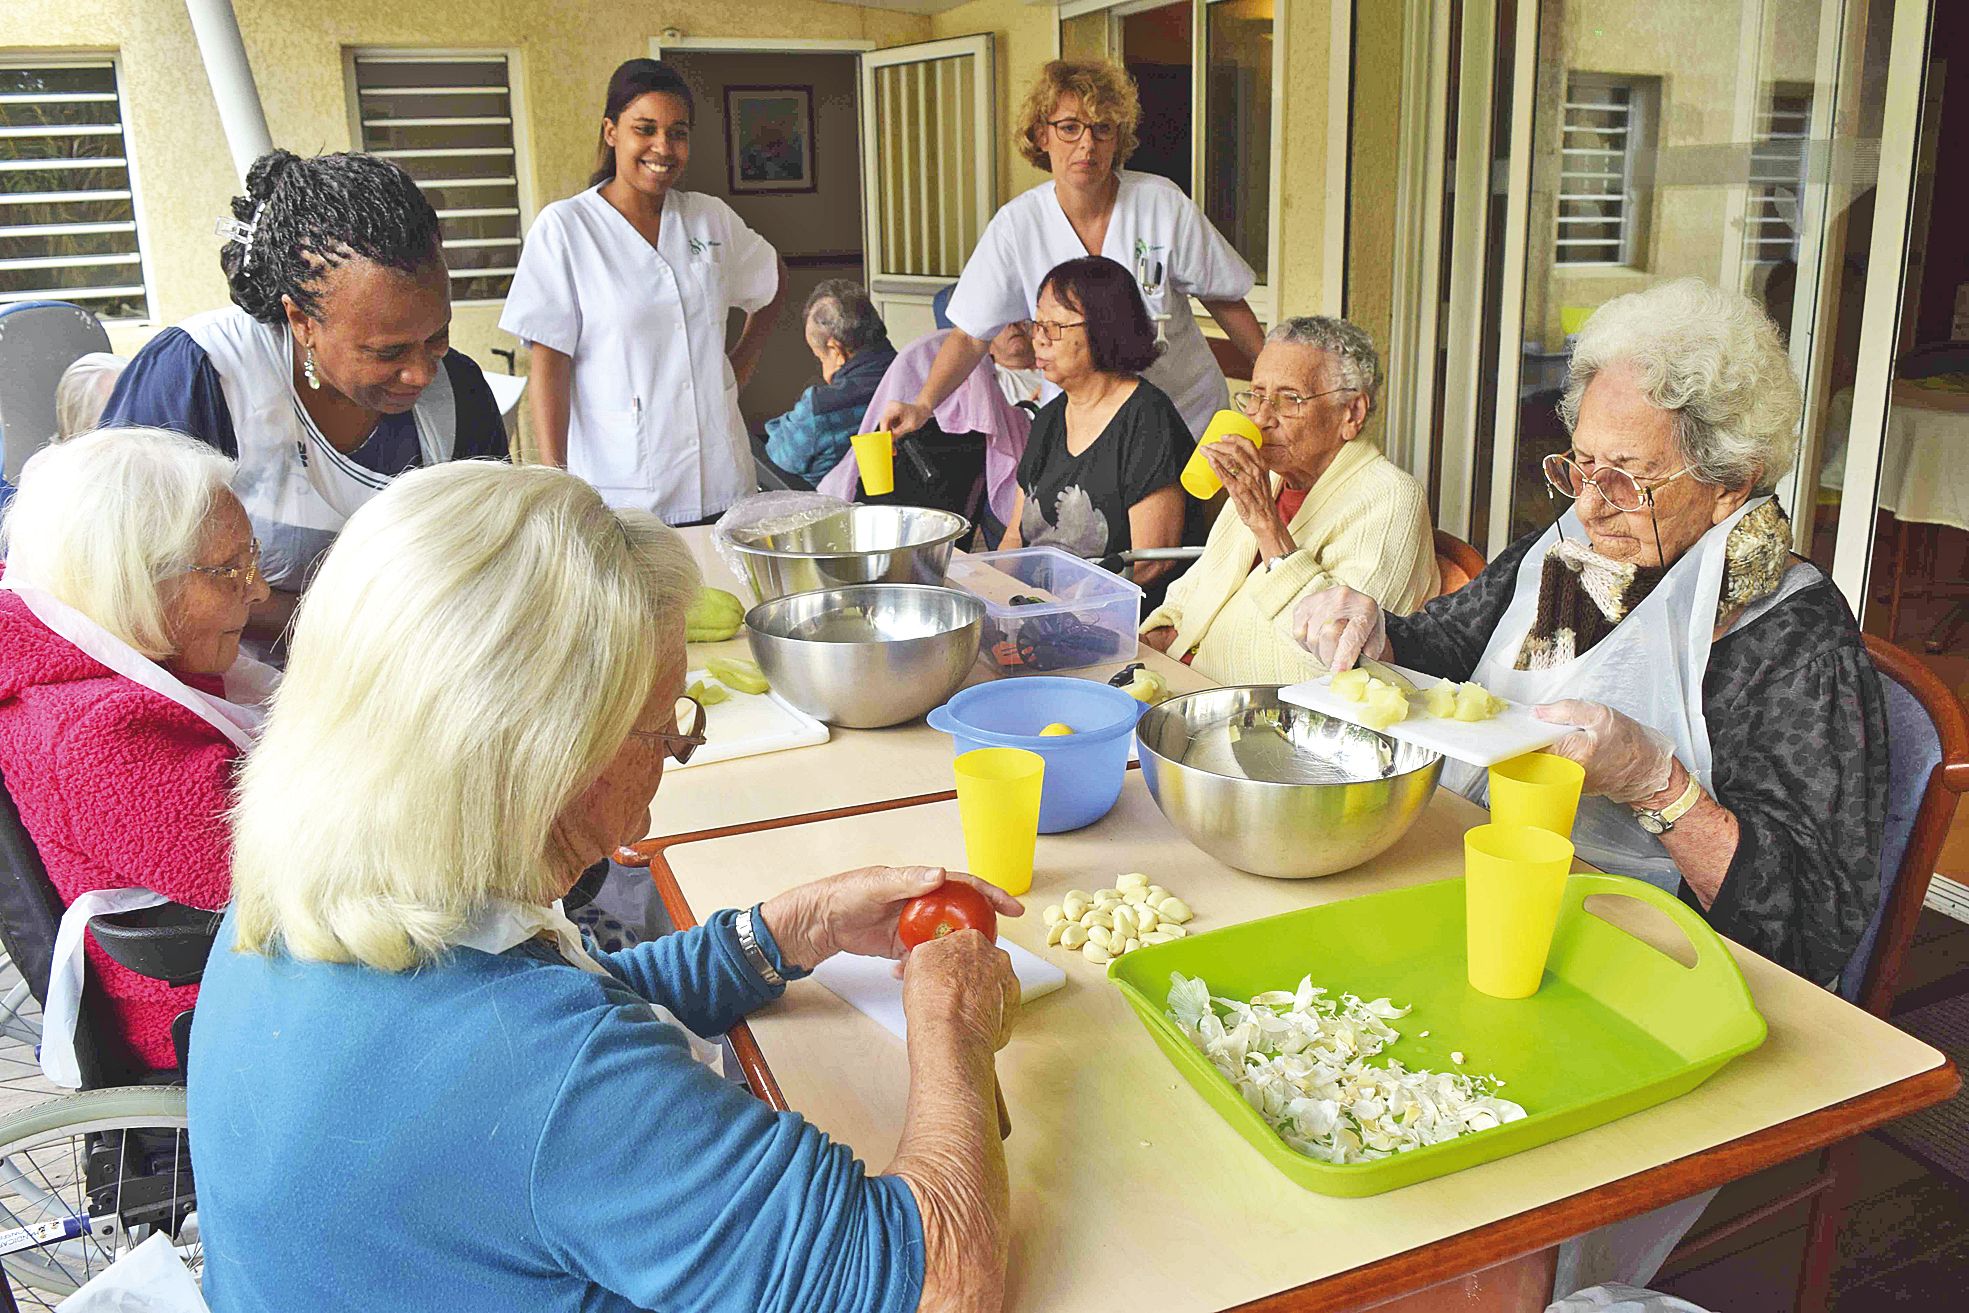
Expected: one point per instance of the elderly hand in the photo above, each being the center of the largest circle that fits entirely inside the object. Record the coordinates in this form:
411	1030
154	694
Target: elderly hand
1249	486
900	417
1339	626
1625	760
966	981
857	911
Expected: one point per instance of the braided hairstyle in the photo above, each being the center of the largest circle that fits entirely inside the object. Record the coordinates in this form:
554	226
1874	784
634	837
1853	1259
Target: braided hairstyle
317	214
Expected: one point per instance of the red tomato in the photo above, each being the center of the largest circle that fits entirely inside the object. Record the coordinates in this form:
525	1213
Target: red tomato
956	906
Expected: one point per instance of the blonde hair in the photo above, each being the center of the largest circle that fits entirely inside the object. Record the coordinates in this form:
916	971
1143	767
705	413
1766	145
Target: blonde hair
1107	95
476	648
105	520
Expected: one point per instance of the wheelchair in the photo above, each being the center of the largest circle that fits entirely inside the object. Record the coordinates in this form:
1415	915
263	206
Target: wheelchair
86	1177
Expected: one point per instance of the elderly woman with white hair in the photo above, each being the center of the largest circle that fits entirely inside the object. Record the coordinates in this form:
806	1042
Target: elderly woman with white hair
124	701
414	1086
1726	712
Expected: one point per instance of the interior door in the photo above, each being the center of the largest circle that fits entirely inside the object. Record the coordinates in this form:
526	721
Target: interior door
929	170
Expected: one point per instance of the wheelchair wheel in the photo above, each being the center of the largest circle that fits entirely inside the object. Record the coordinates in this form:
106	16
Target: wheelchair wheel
84	1179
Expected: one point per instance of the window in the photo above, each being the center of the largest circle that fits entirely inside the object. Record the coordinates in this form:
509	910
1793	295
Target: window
448	119
1604	135
68	219
1777	176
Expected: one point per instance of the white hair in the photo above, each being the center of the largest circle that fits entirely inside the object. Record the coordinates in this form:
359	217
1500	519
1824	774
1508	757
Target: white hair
104	521
83	392
476	647
1714	361
1356	364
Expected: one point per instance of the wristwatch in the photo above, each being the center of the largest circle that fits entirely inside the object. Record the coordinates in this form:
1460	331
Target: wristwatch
748	943
1661	822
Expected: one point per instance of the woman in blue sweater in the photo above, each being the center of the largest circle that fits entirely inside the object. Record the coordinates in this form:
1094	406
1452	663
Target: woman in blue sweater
413	1087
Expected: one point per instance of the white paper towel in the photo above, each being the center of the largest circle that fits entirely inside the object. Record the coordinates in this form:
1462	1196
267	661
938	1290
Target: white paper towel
870	984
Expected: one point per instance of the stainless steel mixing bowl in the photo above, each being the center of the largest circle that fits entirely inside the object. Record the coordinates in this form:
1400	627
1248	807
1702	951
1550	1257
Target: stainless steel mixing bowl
867	655
1276	789
856	545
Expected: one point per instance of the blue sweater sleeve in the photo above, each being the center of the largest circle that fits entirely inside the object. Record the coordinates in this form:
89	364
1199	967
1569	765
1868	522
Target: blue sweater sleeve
656	1180
701	974
172	384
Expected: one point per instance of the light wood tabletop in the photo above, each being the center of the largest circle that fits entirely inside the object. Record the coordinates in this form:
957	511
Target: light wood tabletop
1128	1191
855	767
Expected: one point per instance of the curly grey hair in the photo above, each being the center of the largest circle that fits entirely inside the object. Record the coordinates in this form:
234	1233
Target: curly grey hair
1714	361
839	308
1356	364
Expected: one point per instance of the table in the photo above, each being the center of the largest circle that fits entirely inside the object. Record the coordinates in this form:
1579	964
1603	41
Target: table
855	767
1122	1179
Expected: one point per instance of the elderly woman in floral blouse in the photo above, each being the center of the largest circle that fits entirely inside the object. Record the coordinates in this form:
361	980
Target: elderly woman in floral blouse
1729	720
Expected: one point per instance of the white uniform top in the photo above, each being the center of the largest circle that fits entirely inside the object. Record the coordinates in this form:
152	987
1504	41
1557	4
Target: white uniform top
1152	220
653	417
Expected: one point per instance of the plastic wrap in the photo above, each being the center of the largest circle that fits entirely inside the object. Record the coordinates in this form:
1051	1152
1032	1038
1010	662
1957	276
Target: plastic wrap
767	513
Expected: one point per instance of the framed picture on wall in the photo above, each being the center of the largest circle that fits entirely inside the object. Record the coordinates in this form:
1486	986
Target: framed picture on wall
770	139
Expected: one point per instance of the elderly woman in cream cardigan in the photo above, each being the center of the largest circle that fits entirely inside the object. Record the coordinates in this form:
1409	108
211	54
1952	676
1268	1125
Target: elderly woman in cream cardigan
1315	505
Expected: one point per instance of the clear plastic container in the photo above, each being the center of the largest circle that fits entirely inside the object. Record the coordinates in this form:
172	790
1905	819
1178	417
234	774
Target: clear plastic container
1080	615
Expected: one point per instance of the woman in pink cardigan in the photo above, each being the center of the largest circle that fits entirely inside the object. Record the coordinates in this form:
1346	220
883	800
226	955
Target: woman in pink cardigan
124	701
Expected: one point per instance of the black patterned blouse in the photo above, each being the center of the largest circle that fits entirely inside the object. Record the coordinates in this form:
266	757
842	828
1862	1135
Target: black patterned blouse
1798	741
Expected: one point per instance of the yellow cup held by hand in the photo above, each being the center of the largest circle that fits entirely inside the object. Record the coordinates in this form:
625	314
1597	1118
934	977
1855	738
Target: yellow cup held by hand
998	807
875	456
1514	879
1538	789
1199	480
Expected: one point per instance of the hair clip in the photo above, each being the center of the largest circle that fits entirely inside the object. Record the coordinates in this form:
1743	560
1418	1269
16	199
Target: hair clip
235	231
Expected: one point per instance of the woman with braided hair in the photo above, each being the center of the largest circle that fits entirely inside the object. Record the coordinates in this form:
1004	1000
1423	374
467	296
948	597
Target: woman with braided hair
332	372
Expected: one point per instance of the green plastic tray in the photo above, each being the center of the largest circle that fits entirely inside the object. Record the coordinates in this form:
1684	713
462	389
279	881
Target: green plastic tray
1617	1025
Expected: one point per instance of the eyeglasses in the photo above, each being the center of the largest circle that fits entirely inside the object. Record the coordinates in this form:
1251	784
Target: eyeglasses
1070	129
1286	404
682	742
1617	488
240	576
1044	330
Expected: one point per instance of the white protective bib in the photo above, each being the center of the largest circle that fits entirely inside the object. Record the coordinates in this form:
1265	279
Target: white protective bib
1649	668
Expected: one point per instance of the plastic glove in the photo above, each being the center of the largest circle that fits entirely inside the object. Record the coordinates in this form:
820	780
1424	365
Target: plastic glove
1625	760
1338	625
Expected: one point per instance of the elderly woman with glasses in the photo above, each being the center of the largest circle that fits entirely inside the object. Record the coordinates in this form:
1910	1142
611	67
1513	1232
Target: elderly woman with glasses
124	701
1729	720
1314	505
410	1074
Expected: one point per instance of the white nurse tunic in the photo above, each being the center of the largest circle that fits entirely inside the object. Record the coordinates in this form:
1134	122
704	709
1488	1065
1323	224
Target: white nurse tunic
1152	219
653	419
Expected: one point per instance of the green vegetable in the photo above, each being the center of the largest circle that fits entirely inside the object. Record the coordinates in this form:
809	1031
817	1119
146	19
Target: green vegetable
715	616
708	693
743	675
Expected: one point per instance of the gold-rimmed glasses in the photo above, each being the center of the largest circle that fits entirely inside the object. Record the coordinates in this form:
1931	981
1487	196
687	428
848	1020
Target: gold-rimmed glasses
241	576
1286	404
1617	488
687	738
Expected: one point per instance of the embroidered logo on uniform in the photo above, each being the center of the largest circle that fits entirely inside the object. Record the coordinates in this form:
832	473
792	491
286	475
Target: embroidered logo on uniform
699	245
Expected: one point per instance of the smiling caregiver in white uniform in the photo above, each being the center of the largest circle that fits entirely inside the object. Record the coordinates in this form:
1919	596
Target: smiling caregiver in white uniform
623	293
1079	124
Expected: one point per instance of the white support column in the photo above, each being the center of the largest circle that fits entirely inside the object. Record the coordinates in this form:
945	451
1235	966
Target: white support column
224	53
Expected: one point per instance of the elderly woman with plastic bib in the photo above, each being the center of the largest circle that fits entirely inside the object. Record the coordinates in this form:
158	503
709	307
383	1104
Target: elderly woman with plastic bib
1078	123
413	1085
1314	505
1729	720
124	701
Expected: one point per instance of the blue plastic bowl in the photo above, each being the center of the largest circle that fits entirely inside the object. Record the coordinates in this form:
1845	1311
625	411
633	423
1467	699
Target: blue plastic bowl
1084	770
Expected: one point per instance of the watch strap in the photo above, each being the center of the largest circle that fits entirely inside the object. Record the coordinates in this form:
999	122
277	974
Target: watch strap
748	943
1664	820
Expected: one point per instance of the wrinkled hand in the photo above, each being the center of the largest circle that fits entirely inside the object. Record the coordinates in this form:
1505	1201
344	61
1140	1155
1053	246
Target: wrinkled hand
1625	760
857	911
1249	486
1160	637
965	981
900	417
1339	626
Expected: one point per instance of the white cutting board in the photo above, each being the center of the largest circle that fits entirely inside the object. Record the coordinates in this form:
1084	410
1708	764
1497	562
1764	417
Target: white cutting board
748	724
1511	733
870	983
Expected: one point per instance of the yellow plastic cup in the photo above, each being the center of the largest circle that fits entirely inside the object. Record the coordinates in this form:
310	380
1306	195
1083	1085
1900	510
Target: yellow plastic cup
875	455
1199	480
1514	880
998	806
1538	789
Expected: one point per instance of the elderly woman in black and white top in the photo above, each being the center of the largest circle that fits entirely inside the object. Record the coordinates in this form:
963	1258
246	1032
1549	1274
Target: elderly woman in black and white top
1730	722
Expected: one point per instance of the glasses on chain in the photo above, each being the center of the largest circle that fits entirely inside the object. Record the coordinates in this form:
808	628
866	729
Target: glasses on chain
684	741
1045	330
1285	404
1617	488
1070	129
240	576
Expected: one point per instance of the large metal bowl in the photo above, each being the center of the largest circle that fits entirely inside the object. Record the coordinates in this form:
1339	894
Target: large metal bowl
867	655
1276	789
856	545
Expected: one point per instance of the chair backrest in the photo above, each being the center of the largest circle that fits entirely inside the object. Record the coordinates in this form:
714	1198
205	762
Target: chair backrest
38	340
1456	561
1927	772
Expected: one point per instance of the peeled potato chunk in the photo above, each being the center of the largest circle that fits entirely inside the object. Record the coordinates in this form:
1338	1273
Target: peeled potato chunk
1474	702
1440	700
1384	707
1352	684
